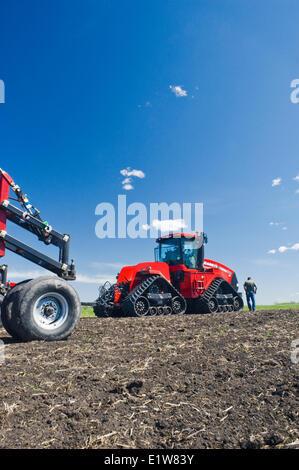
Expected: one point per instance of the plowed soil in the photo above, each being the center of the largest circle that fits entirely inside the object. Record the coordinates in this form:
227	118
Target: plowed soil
194	381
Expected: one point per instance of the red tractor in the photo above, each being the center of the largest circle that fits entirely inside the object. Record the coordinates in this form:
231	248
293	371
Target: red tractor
180	280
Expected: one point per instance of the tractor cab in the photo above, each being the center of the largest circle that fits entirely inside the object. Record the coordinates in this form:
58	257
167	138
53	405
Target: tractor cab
181	249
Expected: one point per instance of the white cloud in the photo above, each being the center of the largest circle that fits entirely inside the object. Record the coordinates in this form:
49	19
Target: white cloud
127	184
296	178
276	182
129	172
137	173
169	225
127	181
283	249
128	187
278	224
294	247
297	191
178	91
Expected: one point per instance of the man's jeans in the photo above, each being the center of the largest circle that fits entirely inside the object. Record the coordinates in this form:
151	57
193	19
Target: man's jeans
251	297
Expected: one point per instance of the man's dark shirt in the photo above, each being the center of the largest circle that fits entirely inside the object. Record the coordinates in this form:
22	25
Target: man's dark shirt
250	286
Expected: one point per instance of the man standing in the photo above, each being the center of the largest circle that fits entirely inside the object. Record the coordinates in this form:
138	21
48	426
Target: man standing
250	288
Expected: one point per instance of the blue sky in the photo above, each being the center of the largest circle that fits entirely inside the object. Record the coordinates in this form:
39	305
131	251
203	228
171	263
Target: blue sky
87	94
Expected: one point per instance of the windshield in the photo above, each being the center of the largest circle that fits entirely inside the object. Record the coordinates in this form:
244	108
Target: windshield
190	249
185	251
169	251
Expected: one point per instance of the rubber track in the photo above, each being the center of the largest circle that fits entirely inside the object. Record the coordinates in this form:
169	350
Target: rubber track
212	291
128	304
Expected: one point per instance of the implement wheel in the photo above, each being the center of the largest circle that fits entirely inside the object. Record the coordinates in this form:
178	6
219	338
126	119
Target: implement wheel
8	318
46	308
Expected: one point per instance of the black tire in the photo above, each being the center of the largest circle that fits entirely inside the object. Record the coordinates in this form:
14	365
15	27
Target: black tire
100	311
153	311
238	304
167	310
48	309
1	301
160	310
141	307
178	305
10	300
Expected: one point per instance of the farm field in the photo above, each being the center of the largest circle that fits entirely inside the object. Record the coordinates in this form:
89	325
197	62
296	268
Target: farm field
193	381
88	311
